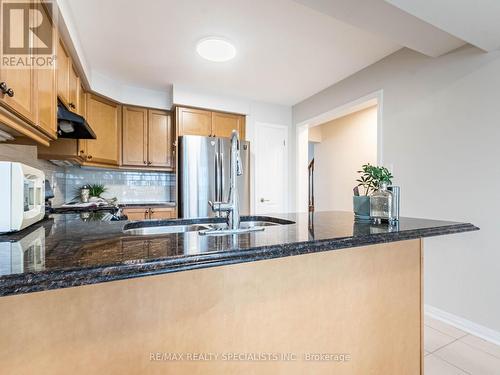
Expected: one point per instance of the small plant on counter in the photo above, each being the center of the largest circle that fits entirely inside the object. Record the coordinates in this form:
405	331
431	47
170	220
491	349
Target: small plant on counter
372	177
96	190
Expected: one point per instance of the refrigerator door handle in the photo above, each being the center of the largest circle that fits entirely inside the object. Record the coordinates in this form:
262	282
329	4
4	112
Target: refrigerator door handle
216	175
221	172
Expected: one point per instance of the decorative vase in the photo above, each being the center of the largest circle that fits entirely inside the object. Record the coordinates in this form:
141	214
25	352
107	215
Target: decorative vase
381	205
361	206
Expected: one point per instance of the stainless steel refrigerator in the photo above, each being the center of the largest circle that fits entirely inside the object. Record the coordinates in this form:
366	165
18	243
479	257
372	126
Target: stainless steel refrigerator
204	169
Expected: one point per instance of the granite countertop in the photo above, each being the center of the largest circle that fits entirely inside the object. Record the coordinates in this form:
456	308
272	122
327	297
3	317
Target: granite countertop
63	251
147	204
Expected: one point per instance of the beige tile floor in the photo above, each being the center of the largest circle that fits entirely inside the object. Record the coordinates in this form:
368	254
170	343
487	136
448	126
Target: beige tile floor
450	351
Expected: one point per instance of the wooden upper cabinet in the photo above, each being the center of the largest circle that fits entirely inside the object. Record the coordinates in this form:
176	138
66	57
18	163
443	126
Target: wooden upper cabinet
73	90
147	138
104	117
22	84
192	121
135	129
63	70
160	139
223	124
47	90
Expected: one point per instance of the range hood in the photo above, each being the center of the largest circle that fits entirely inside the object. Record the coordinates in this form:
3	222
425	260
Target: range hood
72	125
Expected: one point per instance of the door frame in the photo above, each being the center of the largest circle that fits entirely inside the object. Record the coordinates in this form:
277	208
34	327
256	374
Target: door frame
302	137
286	195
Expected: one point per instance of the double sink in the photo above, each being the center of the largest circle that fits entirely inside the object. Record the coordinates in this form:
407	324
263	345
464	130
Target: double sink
144	228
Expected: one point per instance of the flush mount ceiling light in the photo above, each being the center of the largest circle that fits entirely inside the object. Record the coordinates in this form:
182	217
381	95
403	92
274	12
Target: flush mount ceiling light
215	49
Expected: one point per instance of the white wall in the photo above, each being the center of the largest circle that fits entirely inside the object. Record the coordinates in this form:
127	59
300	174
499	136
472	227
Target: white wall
255	111
441	132
346	144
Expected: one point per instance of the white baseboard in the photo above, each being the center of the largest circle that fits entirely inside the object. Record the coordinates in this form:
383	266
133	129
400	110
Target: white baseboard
468	326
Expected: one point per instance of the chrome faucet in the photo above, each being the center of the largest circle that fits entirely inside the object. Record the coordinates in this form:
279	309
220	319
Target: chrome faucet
232	206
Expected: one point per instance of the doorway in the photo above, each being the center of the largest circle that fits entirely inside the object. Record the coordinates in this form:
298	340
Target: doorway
271	168
331	148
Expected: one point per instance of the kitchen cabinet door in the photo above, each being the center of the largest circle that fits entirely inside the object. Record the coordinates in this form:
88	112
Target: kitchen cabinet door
192	121
47	90
63	67
19	85
104	117
224	123
73	90
162	213
160	139
134	136
140	213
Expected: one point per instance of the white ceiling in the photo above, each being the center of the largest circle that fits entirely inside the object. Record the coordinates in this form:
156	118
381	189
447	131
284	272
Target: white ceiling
475	21
286	51
381	18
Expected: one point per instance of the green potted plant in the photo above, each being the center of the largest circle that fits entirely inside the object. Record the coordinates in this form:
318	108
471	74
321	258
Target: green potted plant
88	191
370	180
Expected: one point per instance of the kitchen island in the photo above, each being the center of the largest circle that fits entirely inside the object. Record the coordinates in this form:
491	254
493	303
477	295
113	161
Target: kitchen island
317	293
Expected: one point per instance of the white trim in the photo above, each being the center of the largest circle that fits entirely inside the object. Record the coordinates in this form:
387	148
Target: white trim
466	325
374	98
287	162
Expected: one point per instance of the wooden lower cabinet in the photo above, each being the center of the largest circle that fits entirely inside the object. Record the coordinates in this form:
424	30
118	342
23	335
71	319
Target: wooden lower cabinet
149	213
158	213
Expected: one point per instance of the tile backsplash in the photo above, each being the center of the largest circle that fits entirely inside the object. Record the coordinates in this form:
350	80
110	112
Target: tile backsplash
126	186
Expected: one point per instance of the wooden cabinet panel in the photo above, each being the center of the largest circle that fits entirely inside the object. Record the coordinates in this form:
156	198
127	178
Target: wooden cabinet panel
47	91
194	121
104	117
223	124
160	139
150	213
135	129
141	213
63	67
23	85
190	121
74	90
158	213
82	102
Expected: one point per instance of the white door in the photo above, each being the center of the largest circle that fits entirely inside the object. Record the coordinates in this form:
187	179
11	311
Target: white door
271	168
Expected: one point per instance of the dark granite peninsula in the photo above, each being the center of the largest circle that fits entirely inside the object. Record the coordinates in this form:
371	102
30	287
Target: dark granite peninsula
110	295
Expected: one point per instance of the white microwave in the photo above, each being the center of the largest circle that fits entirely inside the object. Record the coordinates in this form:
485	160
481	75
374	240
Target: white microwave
22	196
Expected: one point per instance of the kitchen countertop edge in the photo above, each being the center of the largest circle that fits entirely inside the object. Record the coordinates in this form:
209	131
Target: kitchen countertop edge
29	282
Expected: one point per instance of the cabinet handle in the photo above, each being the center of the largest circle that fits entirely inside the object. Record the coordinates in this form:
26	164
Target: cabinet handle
149	163
6	90
89	157
145	162
71	105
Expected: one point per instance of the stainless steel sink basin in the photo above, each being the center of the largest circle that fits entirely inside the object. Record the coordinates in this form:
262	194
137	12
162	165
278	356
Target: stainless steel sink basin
244	224
206	227
165	229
